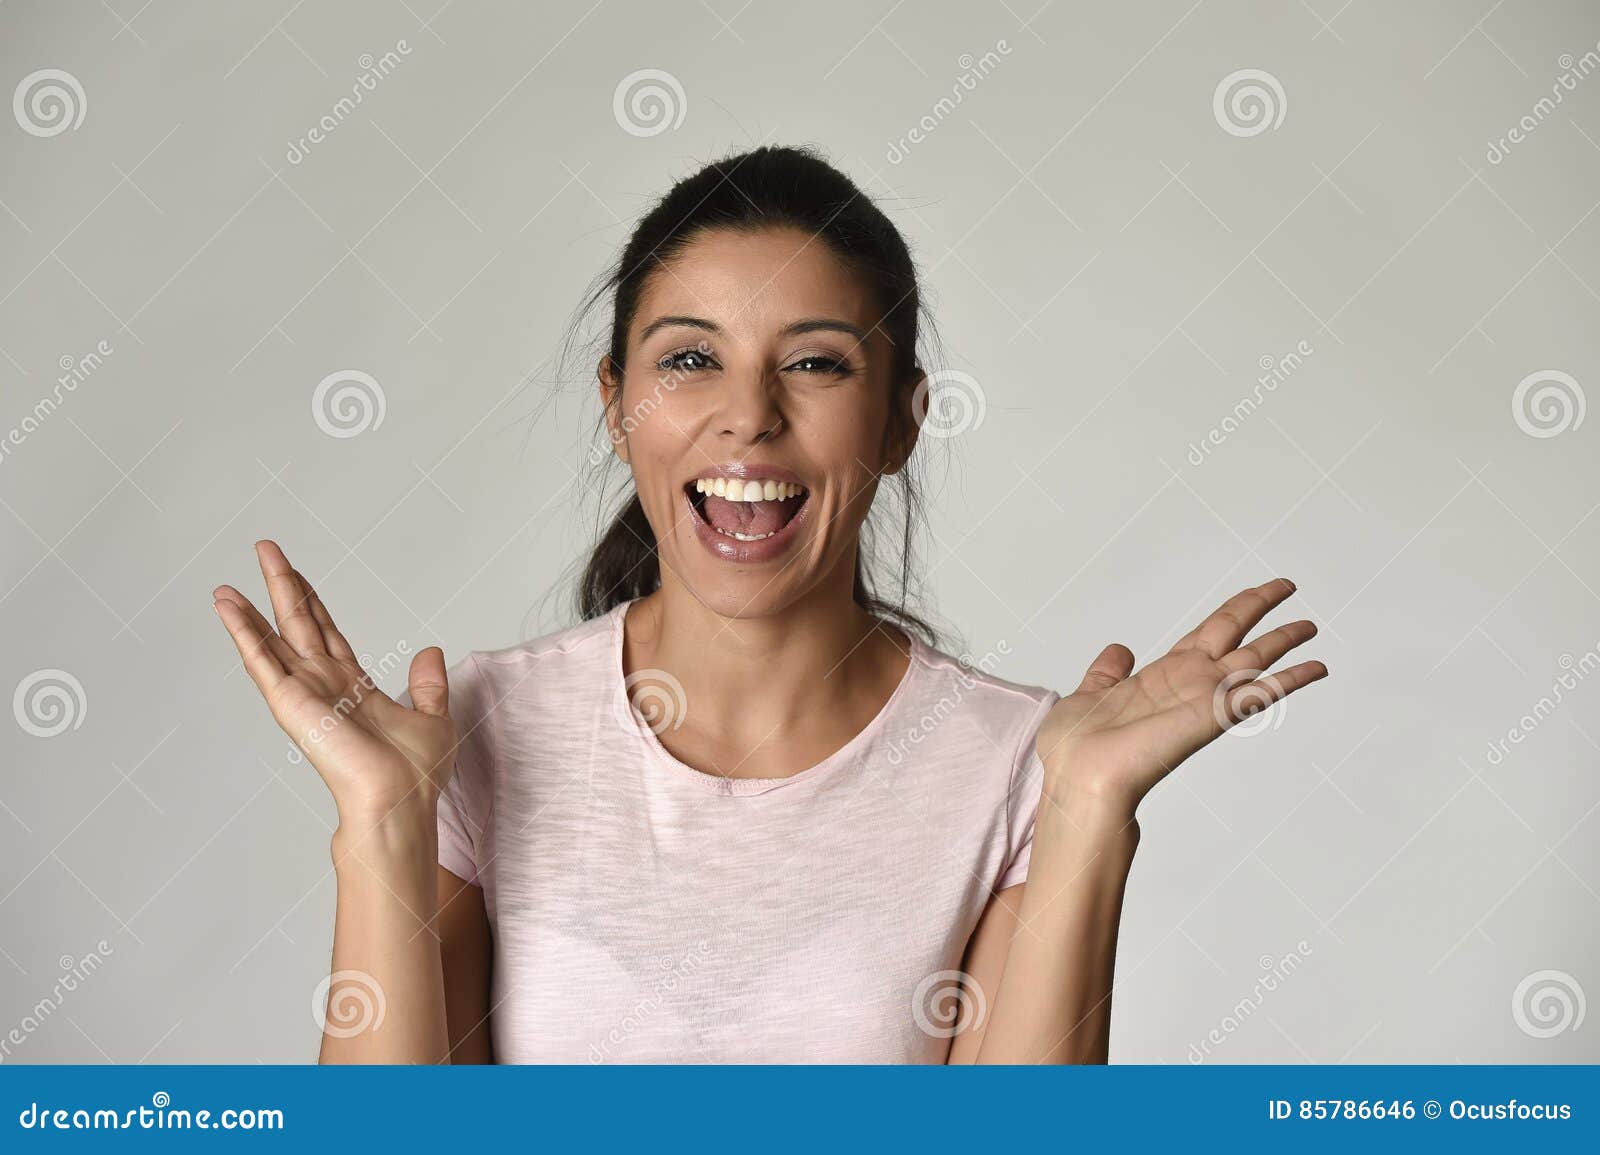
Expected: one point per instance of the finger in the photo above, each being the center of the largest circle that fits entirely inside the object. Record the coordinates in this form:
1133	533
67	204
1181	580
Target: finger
1268	648
429	687
1233	619
1253	697
270	640
263	666
1114	664
289	606
331	637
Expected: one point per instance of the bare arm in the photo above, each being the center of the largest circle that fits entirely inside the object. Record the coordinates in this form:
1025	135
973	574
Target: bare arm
1050	999
386	953
467	948
983	965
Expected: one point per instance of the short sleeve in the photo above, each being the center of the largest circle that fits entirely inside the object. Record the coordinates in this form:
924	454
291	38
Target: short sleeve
1022	801
463	811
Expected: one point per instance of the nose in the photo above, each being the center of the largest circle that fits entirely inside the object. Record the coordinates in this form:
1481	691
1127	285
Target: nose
749	412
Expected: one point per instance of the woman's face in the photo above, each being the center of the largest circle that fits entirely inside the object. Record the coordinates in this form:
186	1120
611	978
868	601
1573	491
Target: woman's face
755	414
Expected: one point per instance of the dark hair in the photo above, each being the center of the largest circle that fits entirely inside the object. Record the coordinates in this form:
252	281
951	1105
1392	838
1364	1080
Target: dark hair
768	187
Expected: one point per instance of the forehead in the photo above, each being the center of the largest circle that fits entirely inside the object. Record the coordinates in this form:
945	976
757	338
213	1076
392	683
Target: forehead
754	283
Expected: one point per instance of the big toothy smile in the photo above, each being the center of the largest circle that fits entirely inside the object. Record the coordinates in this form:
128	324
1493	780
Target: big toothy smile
744	505
748	510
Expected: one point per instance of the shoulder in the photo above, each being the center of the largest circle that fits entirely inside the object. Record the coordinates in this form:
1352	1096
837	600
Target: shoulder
965	689
587	647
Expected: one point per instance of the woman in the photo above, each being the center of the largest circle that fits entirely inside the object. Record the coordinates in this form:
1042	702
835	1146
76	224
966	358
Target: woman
745	811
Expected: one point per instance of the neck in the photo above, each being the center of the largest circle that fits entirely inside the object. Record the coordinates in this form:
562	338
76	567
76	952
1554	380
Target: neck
756	680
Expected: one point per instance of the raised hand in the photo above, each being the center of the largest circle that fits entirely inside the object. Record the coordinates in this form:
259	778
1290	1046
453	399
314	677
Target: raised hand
377	757
1120	733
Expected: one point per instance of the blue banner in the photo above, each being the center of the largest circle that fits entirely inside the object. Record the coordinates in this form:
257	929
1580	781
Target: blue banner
814	1109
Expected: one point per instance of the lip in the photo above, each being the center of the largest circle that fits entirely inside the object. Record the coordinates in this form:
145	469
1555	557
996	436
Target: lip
748	552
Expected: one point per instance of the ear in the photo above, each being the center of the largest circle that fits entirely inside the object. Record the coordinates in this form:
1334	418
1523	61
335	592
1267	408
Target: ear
905	423
610	385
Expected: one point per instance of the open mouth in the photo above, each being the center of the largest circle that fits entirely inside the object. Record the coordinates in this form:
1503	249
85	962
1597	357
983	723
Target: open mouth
746	509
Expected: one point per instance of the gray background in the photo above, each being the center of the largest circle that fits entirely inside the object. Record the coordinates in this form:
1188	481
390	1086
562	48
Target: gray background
1109	265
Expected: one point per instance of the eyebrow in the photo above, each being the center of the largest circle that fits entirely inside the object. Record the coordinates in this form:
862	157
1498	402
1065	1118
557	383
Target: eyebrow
809	325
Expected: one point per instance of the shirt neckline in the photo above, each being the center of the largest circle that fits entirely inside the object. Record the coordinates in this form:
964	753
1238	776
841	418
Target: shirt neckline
733	787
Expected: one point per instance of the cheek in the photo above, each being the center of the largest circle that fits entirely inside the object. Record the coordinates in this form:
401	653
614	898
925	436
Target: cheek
847	416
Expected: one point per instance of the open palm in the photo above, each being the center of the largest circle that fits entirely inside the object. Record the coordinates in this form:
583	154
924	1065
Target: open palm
373	753
1120	733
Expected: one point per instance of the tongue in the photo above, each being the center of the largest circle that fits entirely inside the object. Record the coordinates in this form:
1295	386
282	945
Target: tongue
746	517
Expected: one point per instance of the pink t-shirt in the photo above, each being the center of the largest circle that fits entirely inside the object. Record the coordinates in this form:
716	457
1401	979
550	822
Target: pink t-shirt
644	911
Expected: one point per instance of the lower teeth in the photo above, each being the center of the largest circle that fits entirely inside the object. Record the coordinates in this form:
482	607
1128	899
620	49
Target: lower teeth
743	536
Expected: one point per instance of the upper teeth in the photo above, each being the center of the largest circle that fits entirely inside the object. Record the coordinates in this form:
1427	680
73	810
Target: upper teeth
735	489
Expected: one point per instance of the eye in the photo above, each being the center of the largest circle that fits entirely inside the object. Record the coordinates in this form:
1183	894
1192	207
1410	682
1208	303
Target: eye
684	361
822	363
